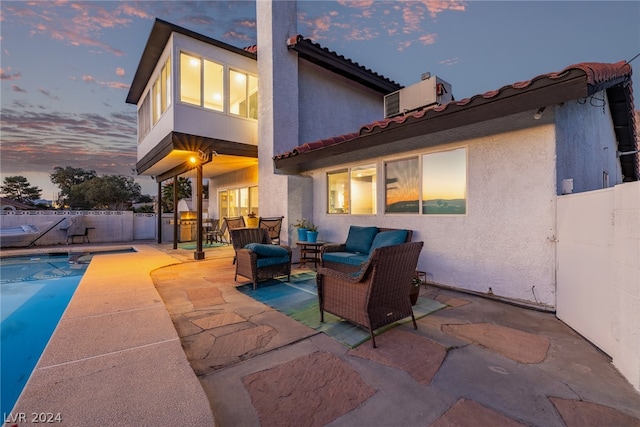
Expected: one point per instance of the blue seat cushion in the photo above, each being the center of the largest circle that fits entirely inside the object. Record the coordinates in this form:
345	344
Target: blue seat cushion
360	238
345	258
388	238
264	250
274	260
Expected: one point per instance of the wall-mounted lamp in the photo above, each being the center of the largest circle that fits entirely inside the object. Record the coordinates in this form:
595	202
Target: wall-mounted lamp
626	153
538	113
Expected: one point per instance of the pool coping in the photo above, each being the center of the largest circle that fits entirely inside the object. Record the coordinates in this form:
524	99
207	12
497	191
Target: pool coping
115	357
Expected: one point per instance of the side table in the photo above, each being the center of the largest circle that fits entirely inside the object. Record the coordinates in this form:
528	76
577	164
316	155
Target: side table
310	251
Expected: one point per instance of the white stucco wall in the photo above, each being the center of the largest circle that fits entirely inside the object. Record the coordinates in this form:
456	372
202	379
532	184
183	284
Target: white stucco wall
331	105
586	144
165	122
505	241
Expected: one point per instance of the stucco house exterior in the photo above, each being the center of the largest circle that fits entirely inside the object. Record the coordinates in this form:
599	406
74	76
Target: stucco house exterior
483	181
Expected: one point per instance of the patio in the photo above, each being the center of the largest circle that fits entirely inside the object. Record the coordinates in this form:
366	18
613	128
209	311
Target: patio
116	358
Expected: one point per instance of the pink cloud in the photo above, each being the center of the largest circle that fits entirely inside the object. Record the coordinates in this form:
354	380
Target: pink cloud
428	38
120	71
5	74
437	6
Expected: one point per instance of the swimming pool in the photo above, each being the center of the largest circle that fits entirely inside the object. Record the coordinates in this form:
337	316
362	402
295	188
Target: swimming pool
34	292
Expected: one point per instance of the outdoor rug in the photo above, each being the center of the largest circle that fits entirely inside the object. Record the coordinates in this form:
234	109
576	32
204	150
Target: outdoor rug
192	245
298	299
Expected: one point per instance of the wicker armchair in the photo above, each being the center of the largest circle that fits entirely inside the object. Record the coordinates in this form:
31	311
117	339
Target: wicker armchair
262	260
376	297
273	226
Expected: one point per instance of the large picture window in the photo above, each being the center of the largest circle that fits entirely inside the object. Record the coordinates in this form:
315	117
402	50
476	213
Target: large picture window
352	190
402	186
444	182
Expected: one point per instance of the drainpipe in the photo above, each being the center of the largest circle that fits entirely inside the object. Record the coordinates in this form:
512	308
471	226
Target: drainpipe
199	253
159	212
175	212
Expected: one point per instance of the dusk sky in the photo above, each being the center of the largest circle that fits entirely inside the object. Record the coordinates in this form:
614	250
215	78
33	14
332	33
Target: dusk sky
67	66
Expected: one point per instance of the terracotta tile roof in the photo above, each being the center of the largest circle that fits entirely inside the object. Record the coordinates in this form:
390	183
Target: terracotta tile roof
303	44
251	49
599	76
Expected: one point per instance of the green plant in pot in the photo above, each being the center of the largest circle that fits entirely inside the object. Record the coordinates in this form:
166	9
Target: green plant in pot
312	232
415	288
301	225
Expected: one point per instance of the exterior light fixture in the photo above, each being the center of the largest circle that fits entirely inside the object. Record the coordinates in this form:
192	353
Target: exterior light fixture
538	113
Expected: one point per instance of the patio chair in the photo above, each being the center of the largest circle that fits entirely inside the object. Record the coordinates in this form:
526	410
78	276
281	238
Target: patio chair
273	227
375	296
211	230
219	233
257	258
233	223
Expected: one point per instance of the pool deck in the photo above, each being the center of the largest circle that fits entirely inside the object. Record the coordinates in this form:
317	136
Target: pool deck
155	338
115	357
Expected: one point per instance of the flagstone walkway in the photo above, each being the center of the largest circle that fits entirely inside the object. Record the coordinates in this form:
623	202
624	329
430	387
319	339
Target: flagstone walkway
477	362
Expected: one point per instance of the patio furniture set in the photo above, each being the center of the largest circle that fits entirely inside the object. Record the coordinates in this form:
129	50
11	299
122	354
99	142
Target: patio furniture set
366	280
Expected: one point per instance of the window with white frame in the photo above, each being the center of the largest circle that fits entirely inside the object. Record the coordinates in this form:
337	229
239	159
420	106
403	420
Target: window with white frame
352	190
402	186
161	91
144	118
431	184
241	201
243	94
444	182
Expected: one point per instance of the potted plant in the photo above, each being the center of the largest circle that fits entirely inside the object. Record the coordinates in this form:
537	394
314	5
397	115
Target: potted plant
312	232
301	225
415	288
252	220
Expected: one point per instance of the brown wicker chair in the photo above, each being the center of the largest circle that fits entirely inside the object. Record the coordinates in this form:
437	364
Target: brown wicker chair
273	226
231	223
255	265
376	297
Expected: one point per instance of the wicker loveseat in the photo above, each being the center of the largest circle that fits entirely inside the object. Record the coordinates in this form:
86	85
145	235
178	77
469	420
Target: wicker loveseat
349	256
376	296
257	258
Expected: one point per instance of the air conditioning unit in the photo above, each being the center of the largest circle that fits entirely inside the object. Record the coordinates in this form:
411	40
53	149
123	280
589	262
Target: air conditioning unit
428	93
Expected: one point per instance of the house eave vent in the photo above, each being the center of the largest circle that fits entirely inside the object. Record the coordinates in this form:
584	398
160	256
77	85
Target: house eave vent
430	92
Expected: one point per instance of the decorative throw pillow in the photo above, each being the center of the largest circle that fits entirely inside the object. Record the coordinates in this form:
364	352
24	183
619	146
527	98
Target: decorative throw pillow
267	250
388	238
360	238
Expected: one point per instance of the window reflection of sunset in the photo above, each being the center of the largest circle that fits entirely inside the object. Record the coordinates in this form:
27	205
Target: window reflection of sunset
444	175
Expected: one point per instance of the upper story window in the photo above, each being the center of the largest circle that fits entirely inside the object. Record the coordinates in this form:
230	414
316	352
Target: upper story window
202	83
144	118
243	94
161	91
352	190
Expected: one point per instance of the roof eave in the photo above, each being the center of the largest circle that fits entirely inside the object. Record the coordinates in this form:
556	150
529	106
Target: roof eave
158	38
510	101
318	55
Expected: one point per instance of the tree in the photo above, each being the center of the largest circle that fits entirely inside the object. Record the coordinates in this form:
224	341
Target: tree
109	192
184	192
18	188
67	177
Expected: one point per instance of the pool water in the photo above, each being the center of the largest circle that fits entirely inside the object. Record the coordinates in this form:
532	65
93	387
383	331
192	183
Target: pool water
34	293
